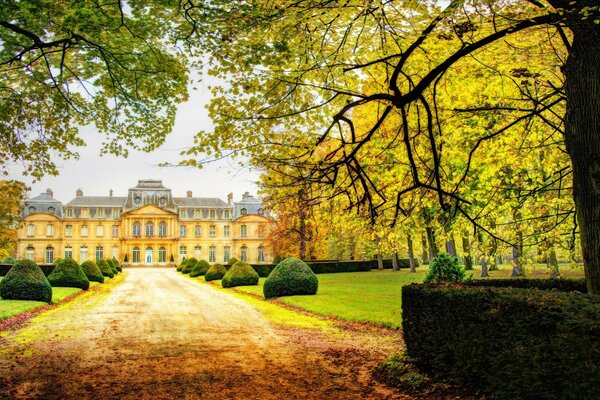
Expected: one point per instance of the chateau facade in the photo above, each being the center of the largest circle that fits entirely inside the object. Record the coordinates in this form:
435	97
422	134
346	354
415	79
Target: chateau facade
149	227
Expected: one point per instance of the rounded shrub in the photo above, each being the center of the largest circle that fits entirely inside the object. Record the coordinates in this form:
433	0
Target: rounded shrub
112	266
117	265
290	277
189	266
26	281
9	260
200	268
105	268
67	273
180	266
240	274
91	270
232	261
215	272
445	268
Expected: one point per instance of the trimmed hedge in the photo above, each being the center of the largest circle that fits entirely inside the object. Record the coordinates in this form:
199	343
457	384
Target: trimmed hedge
68	273
215	272
200	268
189	265
91	270
117	265
504	342
4	268
26	281
180	266
565	285
105	268
263	270
232	261
240	274
290	277
112	265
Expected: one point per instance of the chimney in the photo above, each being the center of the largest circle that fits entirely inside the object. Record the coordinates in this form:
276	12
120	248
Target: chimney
230	198
245	195
110	192
49	192
189	193
79	193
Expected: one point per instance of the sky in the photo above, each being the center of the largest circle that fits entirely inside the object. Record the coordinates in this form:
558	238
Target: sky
96	175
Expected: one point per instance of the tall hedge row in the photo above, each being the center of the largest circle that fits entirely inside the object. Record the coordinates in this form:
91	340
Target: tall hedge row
504	342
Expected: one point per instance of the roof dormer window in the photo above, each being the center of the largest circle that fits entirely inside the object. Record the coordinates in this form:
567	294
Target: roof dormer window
31	209
243	211
51	209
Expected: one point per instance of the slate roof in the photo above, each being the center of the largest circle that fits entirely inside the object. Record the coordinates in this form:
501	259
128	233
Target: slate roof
199	202
98	201
44	203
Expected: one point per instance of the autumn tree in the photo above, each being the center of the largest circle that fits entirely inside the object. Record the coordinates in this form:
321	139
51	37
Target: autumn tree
12	194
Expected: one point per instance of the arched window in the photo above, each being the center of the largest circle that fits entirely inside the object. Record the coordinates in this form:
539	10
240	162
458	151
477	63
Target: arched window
149	229
243	211
30	253
162	229
135	256
137	229
162	255
244	254
51	209
49	255
31	209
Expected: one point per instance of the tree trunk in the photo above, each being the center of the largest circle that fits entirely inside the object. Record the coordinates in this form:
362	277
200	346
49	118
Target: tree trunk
411	256
379	261
433	250
302	234
451	246
466	247
425	255
484	270
517	253
582	136
553	263
395	261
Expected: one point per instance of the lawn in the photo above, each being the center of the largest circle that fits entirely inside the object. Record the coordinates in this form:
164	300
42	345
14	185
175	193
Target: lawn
10	308
355	296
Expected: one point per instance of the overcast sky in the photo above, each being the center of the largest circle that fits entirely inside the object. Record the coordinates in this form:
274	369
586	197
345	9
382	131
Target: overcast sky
96	175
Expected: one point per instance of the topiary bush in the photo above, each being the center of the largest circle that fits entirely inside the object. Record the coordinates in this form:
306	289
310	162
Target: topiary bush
240	274
290	277
180	266
200	268
445	268
113	266
26	281
105	268
67	273
189	266
9	260
215	272
117	265
91	270
232	261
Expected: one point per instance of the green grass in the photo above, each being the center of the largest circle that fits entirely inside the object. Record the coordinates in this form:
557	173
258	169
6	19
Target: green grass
10	308
355	296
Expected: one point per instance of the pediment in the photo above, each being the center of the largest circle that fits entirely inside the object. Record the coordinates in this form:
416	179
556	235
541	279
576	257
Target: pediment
149	210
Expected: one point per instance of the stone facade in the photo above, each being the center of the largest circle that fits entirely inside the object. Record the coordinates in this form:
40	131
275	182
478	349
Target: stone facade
148	227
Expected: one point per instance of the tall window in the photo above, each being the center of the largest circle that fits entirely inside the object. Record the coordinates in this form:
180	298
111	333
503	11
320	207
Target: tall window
68	230
226	254
244	231
244	254
69	212
68	252
100	213
212	254
162	229
115	214
84	231
99	231
182	253
261	254
198	231
49	255
30	230
162	255
137	229
30	253
198	214
99	253
83	254
115	252
183	231
115	231
212	214
212	231
149	229
85	213
226	214
135	255
49	230
198	252
226	231
181	213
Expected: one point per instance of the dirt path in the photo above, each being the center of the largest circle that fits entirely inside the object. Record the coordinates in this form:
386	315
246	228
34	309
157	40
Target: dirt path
158	335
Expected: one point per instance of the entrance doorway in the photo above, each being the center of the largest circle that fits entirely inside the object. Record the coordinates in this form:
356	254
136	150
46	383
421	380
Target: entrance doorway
149	259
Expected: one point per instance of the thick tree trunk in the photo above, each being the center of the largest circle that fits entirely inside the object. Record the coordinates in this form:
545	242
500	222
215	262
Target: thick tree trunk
553	263
582	136
466	247
451	246
395	261
411	256
517	255
433	250
379	261
425	251
484	270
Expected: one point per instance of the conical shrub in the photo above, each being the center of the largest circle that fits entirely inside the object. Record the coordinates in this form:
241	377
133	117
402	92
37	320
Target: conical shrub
290	277
240	274
105	268
182	264
200	268
112	265
189	266
232	261
67	273
91	270
215	272
26	281
117	265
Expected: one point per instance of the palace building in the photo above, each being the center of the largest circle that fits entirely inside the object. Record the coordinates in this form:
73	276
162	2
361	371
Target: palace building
148	227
